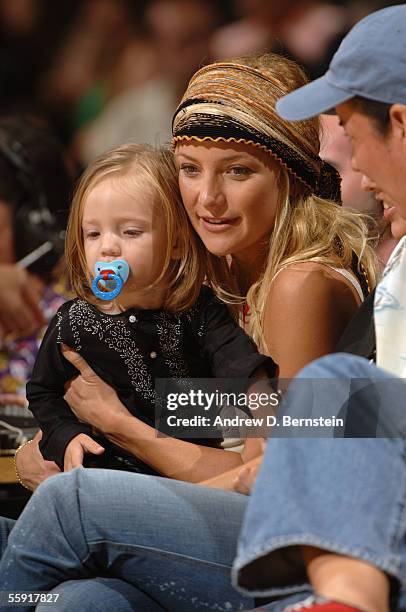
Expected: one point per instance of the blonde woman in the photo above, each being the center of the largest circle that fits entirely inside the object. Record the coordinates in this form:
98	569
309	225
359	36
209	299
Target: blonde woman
255	189
257	194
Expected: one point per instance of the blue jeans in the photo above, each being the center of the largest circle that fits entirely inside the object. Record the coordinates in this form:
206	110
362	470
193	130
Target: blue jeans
145	543
154	544
346	496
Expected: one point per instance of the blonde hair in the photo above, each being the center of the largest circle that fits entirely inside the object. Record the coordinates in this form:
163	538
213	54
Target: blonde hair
311	229
307	227
185	274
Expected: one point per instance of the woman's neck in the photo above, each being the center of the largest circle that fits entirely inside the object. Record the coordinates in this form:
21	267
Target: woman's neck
247	270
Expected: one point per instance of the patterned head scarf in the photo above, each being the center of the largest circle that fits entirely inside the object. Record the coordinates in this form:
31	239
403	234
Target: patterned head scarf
232	102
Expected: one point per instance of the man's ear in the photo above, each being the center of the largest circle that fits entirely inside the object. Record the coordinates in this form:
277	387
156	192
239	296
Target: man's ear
397	116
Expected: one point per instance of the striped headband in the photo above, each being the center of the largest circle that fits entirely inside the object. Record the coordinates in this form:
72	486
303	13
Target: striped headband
235	103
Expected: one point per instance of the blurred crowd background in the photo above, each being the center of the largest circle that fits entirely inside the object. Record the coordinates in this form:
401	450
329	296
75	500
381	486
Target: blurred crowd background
100	72
78	77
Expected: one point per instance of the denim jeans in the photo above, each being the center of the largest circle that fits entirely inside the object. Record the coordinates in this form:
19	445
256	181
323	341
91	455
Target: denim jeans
117	542
136	542
346	496
6	526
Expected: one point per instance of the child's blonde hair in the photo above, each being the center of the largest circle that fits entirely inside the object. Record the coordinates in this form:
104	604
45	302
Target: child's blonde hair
185	274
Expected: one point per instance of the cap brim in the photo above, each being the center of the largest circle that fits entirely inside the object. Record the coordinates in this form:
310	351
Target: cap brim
316	97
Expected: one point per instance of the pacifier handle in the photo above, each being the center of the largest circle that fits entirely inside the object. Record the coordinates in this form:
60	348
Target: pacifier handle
107	275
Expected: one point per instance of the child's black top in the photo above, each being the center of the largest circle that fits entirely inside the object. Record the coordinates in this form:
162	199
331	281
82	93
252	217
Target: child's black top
129	351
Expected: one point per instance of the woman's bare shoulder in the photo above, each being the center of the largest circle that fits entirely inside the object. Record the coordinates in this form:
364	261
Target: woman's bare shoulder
308	294
309	277
305	314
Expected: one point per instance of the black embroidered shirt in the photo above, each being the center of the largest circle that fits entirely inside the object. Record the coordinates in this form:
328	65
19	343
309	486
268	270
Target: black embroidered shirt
129	351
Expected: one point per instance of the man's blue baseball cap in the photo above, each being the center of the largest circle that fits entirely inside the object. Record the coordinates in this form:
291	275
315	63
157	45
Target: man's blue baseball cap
370	62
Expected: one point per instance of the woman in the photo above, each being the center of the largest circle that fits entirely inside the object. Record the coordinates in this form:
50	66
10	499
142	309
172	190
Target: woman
297	262
254	188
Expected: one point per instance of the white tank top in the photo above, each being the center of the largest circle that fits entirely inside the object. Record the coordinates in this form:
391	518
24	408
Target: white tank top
353	280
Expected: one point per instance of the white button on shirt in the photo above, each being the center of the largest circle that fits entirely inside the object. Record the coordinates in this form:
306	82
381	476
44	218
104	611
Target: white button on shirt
152	354
132	319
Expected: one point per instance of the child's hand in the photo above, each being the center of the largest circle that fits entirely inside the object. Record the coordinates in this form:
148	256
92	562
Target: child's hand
76	450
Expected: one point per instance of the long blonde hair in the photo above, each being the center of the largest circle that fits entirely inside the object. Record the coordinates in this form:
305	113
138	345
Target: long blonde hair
234	101
310	229
185	275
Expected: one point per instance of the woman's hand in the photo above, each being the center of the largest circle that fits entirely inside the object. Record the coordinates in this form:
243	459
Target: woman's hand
31	465
239	479
91	399
246	476
77	449
245	479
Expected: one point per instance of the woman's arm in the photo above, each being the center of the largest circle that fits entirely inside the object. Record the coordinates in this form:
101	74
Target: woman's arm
94	401
308	308
239	479
170	457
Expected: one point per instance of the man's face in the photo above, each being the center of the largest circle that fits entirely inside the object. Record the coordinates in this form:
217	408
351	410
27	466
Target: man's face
381	159
336	150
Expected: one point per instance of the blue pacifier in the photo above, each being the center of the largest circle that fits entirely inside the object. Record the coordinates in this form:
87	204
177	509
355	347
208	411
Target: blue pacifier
111	275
